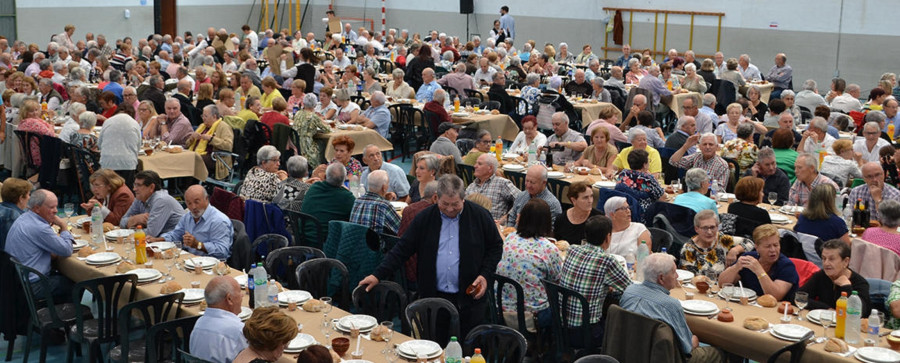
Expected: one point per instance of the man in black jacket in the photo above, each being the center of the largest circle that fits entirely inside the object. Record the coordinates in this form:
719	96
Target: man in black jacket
458	247
154	94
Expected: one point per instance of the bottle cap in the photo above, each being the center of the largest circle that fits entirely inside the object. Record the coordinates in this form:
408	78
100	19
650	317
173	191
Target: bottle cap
844	293
855	293
453	339
477	350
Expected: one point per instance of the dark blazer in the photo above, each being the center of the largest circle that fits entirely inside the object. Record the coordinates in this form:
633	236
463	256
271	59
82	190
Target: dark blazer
480	247
188	110
156	96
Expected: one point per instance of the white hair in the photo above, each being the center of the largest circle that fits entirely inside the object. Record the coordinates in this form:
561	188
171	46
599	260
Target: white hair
656	265
376	181
612	204
634	133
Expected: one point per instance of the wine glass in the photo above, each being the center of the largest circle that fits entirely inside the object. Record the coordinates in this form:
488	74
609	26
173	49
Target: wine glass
327	301
773	197
69	210
801	298
386	335
825	319
728	291
325	328
391	355
713	277
170	258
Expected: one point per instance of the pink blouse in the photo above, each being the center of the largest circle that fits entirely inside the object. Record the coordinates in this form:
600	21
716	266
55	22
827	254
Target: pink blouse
40	127
878	236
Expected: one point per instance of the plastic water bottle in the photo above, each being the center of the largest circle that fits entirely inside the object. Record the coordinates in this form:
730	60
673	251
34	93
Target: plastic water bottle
629	262
96	225
848	214
273	293
854	319
260	278
642	253
543	158
453	352
714	189
532	153
874	326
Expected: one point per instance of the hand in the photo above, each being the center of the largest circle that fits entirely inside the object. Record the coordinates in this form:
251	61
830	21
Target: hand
481	283
189	240
754	170
635	110
843	280
57	221
692	140
282	175
733	254
369	282
751	264
138	219
876	190
390	196
156	239
553	144
807	133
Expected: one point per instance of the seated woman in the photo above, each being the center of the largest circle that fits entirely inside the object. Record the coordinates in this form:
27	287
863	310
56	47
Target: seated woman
638	140
886	234
528	135
749	193
741	149
483	144
276	115
601	154
268	331
758	108
252	109
570	225
307	123
290	192
213	135
820	218
528	258
626	235
343	153
262	179
710	249
825	286
84	137
766	270
843	166
111	193
638	182
427	169
697	182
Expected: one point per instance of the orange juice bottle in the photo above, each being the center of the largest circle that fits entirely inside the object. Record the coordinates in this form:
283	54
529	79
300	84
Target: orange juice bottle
822	154
456	104
498	148
891	131
140	246
840	316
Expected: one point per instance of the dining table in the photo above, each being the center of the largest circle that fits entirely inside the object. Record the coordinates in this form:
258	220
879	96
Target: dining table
360	135
765	89
181	164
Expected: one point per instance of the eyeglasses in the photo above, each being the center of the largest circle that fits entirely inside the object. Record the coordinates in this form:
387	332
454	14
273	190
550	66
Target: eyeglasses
709	228
624	207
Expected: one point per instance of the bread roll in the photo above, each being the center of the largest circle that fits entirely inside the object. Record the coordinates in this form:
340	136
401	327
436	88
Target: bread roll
725	316
864	325
781	306
170	287
697	278
595	171
313	306
755	323
108	227
377	332
85	251
495	112
124	267
836	345
562	245
767	300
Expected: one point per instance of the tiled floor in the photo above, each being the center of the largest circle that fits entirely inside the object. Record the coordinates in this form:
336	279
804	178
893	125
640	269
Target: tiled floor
55	353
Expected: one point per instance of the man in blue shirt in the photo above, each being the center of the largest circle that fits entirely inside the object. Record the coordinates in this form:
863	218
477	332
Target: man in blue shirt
398	184
429	85
218	335
205	231
377	115
507	22
15	193
153	208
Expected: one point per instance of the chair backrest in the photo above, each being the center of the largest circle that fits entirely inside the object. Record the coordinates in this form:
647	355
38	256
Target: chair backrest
490	105
51	152
185	357
464	145
796	349
282	263
36	302
164	340
241	252
385	301
557	187
24	141
149	312
617	96
474	93
495	299
812	248
633	337
805	270
790	245
107	296
879	290
466	173
661	239
605	193
597	358
316	275
498	343
85	164
428	319
299	222
516	177
725	95
874	261
267	243
563	301
546	107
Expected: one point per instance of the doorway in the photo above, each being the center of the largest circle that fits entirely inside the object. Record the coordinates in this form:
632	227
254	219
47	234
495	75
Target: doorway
164	16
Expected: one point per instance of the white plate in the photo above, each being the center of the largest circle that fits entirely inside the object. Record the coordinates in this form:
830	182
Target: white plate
461	114
814	316
725	196
699	306
79	243
245	313
102	258
241	280
510	156
80	221
513	167
146	274
779	219
298	296
684	275
357	361
204	261
555	174
608	184
192	295
116	233
411	348
162	246
712	313
750	294
398	206
362	322
877	354
300	342
790	331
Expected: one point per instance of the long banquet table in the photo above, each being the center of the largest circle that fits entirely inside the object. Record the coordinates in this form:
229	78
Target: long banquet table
174	165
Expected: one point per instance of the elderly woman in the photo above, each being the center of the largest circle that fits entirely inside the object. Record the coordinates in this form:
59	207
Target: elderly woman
638	140
204	96
343	150
290	192
30	116
213	135
635	72
370	82
766	270
276	115
668	79
531	91
146	115
269	93
707	70
569	226
598	92
226	103
826	285
563	56
349	79
514	72
397	88
749	193
843	166
262	180
528	258
638	182
326	108
710	249
252	109
728	129
307	123
697	182
111	193
626	235
427	168
820	217
758	108
268	332
528	135
601	154
315	354
483	144
543	66
347	111
788	96
84	137
742	148
298	86
886	235
692	81
732	75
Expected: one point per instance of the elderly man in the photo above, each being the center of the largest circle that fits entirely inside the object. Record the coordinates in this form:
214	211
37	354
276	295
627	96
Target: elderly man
565	144
153	207
685	127
776	180
154	94
429	86
218	334
328	200
205	231
340	60
655	85
697	183
34	243
535	187
438	235
806	169
707	159
484	76
185	101
748	70
501	191
840	100
651	298
874	190
616	78
780	75
377	116
871	144
720	65
458	80
580	86
709	109
626	55
785	122
891	106
114	86
445	144
348	33
35	67
815	138
174	128
49	96
593	70
373	209
809	96
398	184
691	58
497	92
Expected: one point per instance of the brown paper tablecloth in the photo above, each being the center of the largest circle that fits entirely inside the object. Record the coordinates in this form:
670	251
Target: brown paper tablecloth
360	137
184	164
498	125
765	91
589	111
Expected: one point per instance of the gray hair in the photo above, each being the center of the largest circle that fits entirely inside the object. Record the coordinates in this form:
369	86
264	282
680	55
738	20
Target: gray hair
58	66
77	108
708	134
889	213
45	82
515	61
653	69
810	85
214	110
690	67
439	96
310	100
694	179
115	76
431	162
709	99
632	62
397	72
379	97
744	130
450	184
788	93
704	215
76	74
38	197
682	120
542	171
216	291
819	123
376	181
634	133
765	153
371	71
45	64
297	166
809	160
612	204
656	265
530	78
431	189
447	56
492	161
267	153
853	87
335	174
555	82
87	120
875	117
598	81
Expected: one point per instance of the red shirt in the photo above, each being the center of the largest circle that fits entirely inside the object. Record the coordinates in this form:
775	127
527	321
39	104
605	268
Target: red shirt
273	117
108	113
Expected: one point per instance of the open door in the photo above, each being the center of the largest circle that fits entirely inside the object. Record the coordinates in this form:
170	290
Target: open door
164	16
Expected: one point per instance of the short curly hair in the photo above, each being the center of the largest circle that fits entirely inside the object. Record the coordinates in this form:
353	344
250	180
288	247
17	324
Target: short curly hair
344	140
268	328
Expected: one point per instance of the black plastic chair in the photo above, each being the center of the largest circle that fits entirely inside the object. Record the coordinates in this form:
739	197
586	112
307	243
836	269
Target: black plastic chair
796	350
108	293
361	101
282	263
317	276
164	340
301	223
557	187
149	312
495	300
464	145
516	177
466	173
386	301
398	129
268	243
25	139
498	343
562	301
46	316
661	239
434	319
597	358
421	134
472	93
187	357
490	105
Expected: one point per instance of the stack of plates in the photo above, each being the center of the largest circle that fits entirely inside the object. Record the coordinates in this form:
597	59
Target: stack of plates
513	167
297	296
556	175
80	222
357	361
301	342
723	197
192	296
779	219
608	184
699	307
78	244
736	296
116	233
460	114
877	355
162	246
398	206
364	323
244	315
103	258
814	316
241	280
510	156
412	348
205	262
684	275
146	274
790	332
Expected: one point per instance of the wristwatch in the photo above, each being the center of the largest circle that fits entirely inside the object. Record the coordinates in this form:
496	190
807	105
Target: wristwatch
199	246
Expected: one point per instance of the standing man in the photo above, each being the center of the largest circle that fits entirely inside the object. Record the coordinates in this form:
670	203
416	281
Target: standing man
438	235
507	22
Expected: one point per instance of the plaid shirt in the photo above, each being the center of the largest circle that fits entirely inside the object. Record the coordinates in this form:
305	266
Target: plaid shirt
893	323
715	166
371	210
501	191
862	192
592	272
800	191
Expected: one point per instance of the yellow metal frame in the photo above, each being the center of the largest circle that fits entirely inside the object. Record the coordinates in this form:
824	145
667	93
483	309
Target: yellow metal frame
293	9
656	12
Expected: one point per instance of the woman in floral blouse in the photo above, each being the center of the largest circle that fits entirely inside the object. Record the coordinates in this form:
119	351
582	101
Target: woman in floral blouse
531	91
528	257
638	182
343	150
710	249
307	124
741	149
262	180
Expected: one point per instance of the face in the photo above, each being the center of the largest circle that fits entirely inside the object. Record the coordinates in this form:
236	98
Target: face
27	88
769	249
208	117
325	98
788	101
227	100
48	209
579	77
129	96
255	106
874	176
872	135
246	83
196	203
173	109
639	142
753	94
599	139
534	184
734	114
707	230
450	205
560	127
372	158
690	127
890	108
709	146
587	50
422	172
833	264
584	200
427	77
342	153
801	170
690	109
100	188
690	72
452	134
719	57
530	129
484	144
144	112
767	166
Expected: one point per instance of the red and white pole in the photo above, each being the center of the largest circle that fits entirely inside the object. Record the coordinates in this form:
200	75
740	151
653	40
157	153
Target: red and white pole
383	32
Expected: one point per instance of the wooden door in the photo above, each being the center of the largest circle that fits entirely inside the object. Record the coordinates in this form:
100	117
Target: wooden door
165	17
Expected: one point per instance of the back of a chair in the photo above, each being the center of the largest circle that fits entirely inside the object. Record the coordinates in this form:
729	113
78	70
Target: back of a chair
498	343
796	350
879	291
241	251
617	96
873	261
434	319
474	93
267	243
316	275
518	178
546	107
107	295
186	357
639	338
282	263
281	134
725	95
605	193
35	302
85	164
148	312
164	340
661	239
464	145
385	301
596	358
563	303
14	313
805	269
466	173
812	248
557	187
299	222
495	293
790	245
51	152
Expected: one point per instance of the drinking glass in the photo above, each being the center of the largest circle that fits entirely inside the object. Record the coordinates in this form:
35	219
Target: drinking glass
713	277
325	328
773	197
801	298
69	209
387	335
728	291
170	258
129	248
327	301
391	355
825	319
